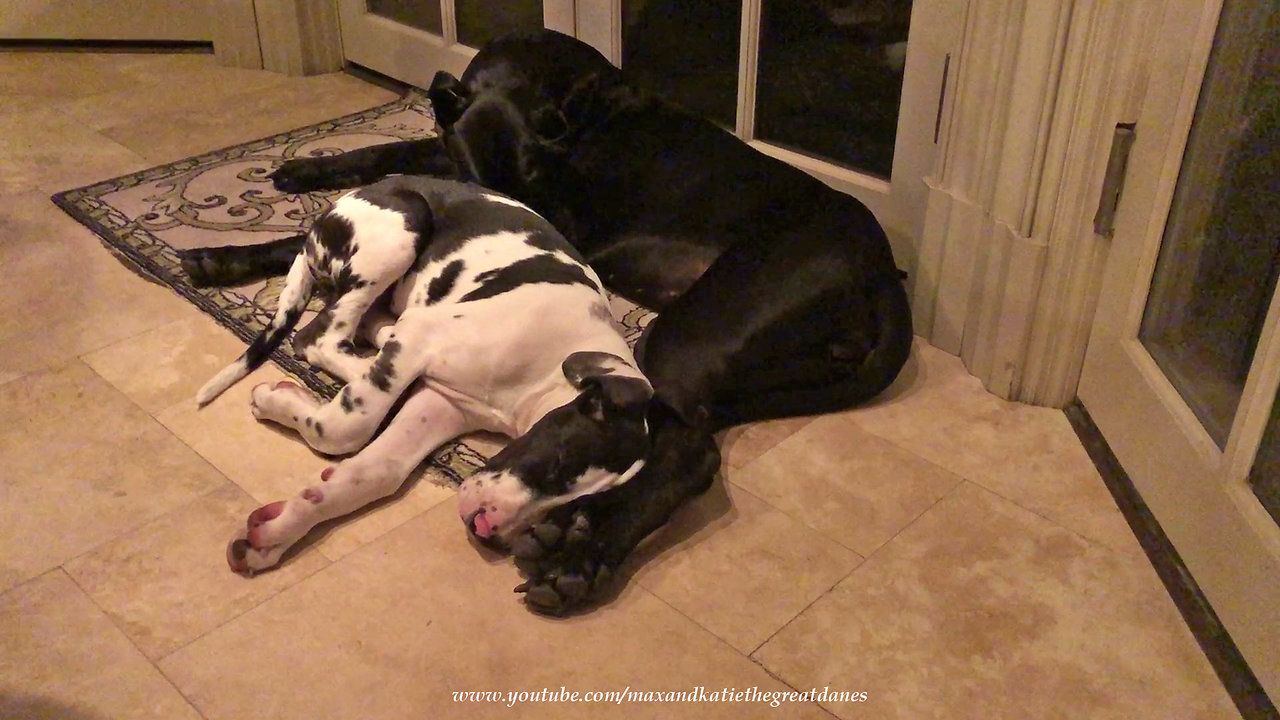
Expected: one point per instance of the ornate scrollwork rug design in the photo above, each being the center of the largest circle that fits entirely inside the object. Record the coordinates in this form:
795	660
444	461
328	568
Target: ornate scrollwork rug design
225	198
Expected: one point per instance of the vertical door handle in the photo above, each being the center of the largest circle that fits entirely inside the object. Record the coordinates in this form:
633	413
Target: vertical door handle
1104	219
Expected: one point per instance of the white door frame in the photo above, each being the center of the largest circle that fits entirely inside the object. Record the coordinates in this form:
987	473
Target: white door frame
1009	261
1198	492
414	56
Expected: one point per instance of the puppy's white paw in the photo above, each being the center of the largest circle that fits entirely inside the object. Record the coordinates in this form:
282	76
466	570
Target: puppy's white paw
284	402
269	532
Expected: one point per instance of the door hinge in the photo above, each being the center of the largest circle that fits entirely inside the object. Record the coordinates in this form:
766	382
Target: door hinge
1113	181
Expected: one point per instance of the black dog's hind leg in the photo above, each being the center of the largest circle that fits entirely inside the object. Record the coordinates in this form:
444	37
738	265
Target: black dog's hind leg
862	357
573	552
236	264
363	166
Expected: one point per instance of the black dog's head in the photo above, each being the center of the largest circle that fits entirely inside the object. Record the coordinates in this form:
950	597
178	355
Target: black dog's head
521	99
595	442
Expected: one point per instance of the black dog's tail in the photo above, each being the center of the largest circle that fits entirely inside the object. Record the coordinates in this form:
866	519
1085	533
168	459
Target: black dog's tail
293	300
238	264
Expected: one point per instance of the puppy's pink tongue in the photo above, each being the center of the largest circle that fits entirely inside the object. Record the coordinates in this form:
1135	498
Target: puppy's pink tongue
481	526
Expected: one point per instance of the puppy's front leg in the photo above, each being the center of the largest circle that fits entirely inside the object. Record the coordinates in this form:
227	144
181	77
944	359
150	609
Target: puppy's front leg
425	421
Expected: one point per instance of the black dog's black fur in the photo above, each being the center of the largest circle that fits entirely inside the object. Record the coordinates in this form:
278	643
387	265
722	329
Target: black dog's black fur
778	295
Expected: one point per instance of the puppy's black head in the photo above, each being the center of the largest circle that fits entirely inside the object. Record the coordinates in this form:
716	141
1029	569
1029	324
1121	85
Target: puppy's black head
595	442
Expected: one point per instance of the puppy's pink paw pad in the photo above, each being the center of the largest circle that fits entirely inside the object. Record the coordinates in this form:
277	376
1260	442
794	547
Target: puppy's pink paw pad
266	513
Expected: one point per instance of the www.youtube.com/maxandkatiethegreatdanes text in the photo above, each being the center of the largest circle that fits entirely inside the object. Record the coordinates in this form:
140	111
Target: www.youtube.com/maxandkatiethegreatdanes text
698	694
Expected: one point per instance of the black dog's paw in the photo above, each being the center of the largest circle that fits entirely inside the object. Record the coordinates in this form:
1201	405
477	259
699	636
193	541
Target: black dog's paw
300	175
563	563
201	267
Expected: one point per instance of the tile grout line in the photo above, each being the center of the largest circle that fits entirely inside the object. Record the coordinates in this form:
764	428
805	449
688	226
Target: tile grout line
1088	540
800	522
328	564
15	378
156	420
153	663
135	529
131	529
965	478
959	479
777	677
722	641
865	560
327	561
83	356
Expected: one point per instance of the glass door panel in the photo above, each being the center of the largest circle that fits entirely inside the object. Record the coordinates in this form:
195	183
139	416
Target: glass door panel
410	40
830	79
1218	260
1264	477
414	13
816	83
686	51
479	21
1183	361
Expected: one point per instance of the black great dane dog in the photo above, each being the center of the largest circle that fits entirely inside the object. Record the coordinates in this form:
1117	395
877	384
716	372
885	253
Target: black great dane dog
778	295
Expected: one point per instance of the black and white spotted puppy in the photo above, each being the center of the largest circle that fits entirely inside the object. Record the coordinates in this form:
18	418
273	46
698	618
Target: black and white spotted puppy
494	323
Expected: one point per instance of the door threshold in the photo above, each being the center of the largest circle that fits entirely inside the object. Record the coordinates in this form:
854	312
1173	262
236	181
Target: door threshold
1216	643
106	46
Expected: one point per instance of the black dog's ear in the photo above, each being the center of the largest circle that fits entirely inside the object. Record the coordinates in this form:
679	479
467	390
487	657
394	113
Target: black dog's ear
606	392
449	98
580	99
549	123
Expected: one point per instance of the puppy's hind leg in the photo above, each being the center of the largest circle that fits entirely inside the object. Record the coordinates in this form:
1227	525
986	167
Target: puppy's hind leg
426	421
387	235
347	422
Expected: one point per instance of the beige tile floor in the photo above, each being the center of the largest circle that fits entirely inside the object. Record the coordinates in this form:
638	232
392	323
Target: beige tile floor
947	553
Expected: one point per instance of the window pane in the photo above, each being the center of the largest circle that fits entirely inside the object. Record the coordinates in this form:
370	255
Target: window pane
1264	478
480	21
830	77
687	51
421	14
1218	261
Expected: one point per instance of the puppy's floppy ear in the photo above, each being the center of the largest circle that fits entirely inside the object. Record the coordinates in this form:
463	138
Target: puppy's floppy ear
606	390
449	98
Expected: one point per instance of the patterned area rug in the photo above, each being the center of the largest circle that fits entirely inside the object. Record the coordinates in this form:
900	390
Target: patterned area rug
224	198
